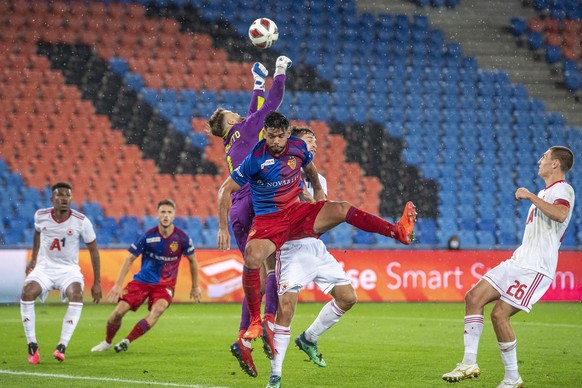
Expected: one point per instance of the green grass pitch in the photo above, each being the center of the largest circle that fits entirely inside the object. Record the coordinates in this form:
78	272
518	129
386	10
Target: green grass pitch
374	345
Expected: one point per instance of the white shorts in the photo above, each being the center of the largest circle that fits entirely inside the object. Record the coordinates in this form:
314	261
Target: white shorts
300	262
518	286
55	278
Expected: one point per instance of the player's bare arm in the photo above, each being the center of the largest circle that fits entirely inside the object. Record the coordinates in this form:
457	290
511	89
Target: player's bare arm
306	196
115	292
558	213
35	247
224	193
96	291
195	292
313	177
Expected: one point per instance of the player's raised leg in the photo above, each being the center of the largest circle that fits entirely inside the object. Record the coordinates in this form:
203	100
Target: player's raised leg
334	213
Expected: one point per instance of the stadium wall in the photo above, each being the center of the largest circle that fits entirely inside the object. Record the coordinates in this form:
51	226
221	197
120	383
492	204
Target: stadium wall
378	276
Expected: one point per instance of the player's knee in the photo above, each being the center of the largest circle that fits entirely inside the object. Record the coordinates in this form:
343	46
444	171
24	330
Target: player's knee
347	300
30	291
253	258
498	316
470	298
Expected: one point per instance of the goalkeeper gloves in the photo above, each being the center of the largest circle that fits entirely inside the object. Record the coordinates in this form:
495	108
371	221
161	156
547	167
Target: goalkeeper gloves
282	64
259	74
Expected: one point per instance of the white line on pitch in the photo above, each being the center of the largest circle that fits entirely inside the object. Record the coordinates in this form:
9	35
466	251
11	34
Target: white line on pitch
60	376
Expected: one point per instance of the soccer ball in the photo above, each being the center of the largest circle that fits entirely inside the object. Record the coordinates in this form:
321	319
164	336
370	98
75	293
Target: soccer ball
263	33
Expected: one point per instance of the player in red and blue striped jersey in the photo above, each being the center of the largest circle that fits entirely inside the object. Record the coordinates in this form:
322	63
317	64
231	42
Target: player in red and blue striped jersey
239	135
273	170
161	249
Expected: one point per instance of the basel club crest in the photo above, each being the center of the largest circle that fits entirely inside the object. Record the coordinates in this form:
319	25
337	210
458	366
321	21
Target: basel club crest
174	246
292	163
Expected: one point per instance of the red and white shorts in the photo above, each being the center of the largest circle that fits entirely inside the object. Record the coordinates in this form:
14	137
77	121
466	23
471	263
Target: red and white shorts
300	262
518	286
293	223
135	293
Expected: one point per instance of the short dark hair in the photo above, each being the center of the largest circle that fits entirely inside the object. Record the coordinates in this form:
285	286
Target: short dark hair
300	131
276	120
62	185
216	123
168	202
564	155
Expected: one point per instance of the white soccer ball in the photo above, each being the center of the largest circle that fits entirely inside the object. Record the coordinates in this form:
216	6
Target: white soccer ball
263	33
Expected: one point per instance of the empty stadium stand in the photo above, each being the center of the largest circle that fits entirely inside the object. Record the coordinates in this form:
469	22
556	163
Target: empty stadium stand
401	113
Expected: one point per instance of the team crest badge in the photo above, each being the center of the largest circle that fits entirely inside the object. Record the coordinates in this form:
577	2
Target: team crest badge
70	232
292	163
174	246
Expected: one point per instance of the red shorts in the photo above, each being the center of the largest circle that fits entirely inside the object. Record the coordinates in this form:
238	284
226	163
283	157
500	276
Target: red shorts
135	293
293	223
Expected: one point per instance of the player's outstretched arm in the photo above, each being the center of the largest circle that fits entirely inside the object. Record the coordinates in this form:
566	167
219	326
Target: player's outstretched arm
558	213
195	292
96	291
313	177
115	292
224	194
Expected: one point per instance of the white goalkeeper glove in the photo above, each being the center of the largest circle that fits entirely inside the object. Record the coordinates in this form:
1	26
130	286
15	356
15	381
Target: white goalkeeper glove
282	64
260	73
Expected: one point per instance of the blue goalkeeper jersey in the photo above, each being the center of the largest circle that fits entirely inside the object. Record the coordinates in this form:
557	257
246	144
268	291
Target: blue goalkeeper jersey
275	181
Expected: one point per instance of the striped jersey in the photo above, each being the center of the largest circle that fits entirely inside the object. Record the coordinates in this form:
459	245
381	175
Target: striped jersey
60	241
242	137
542	236
275	182
160	257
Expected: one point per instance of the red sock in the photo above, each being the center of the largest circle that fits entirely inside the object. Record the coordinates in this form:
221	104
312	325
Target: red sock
111	331
139	329
251	279
370	223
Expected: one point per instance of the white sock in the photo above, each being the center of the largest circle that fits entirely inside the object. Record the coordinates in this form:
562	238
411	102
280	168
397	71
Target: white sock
508	352
328	316
281	340
70	321
28	320
472	334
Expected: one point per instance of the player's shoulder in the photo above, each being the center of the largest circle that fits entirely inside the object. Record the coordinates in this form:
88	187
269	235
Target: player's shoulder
151	232
259	148
180	232
78	215
45	212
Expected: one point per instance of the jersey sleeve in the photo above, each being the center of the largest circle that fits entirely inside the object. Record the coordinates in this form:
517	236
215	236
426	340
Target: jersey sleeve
36	225
323	183
190	249
138	246
243	173
272	103
87	232
307	155
257	100
564	195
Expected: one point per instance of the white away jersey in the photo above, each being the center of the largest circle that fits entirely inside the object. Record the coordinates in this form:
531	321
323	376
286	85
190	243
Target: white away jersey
59	241
309	186
542	236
